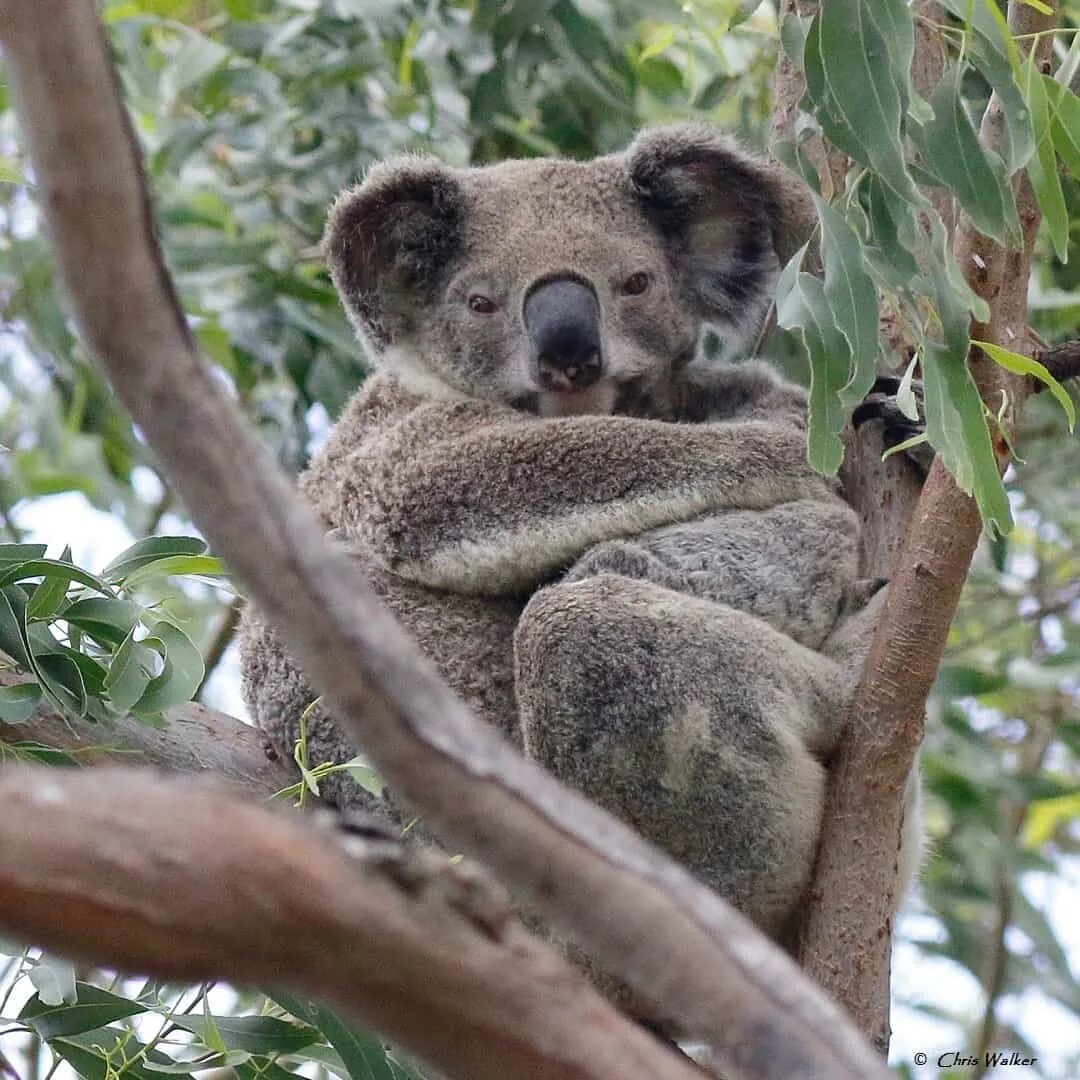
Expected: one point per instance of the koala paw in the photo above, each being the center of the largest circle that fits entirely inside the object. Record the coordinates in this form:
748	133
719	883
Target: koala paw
857	595
880	404
626	560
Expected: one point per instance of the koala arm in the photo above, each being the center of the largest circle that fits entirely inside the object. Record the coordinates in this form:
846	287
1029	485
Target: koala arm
478	498
746	391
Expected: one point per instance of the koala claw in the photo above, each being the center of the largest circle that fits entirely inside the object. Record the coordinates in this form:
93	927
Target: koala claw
896	426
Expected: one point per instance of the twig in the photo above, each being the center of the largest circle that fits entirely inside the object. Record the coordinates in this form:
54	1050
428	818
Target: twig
402	940
219	643
637	912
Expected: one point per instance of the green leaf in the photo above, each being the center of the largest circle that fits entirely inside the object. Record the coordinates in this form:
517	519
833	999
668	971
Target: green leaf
365	776
1042	169
802	306
990	47
958	680
361	1052
49	595
255	1034
1064	122
1025	365
50	568
150	550
951	152
856	91
107	620
174	564
19	702
1045	815
182	671
63	679
659	40
93	1008
19	553
852	299
955	416
13	634
956	426
129	674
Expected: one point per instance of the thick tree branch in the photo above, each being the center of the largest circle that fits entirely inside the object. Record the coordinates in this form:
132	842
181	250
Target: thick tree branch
195	740
637	912
425	951
846	937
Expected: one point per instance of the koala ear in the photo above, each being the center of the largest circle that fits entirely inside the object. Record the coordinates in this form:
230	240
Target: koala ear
720	212
389	240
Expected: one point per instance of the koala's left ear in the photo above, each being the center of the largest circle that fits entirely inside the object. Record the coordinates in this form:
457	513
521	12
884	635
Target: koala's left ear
721	212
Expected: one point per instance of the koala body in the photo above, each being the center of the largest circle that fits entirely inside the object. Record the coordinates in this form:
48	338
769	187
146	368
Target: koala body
540	408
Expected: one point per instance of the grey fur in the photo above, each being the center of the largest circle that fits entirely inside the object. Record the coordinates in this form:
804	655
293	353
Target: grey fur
661	606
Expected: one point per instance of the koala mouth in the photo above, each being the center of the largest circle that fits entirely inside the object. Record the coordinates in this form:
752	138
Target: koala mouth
599	399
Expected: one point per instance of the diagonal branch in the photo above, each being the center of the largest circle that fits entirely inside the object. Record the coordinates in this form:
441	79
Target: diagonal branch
405	941
637	912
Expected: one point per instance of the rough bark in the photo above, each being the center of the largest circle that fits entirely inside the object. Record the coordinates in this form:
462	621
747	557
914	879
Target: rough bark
129	869
195	740
846	937
637	912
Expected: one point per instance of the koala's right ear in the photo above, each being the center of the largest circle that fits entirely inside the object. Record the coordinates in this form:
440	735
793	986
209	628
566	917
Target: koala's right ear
389	240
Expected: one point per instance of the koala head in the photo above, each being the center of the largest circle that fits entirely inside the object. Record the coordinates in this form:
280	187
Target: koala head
558	286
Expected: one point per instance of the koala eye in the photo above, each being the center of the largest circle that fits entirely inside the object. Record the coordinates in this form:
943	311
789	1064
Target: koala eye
481	305
635	284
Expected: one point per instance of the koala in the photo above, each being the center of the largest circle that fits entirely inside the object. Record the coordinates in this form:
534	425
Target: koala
615	552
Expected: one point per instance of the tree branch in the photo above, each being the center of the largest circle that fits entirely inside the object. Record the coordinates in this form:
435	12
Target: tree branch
423	950
847	934
1062	361
634	910
196	739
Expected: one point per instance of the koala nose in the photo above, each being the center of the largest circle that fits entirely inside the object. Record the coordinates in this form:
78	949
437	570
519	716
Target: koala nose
562	318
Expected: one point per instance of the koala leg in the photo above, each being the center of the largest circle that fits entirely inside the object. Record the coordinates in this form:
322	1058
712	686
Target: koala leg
698	724
470	640
627	559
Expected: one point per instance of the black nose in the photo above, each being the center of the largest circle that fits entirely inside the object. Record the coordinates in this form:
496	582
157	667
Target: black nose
562	318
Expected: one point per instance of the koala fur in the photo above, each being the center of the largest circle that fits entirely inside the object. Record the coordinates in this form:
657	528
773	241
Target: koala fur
637	578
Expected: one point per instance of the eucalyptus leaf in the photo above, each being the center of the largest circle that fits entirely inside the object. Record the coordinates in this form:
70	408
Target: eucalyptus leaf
92	1008
254	1034
1026	365
182	671
852	300
104	618
150	550
856	91
362	1053
802	306
951	151
19	702
1042	168
1064	108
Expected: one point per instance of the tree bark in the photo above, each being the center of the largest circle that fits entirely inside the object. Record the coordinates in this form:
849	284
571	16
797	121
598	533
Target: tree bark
195	740
129	869
636	911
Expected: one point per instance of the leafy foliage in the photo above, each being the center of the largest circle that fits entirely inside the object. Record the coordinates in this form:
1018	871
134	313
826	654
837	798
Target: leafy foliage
94	651
860	98
254	113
